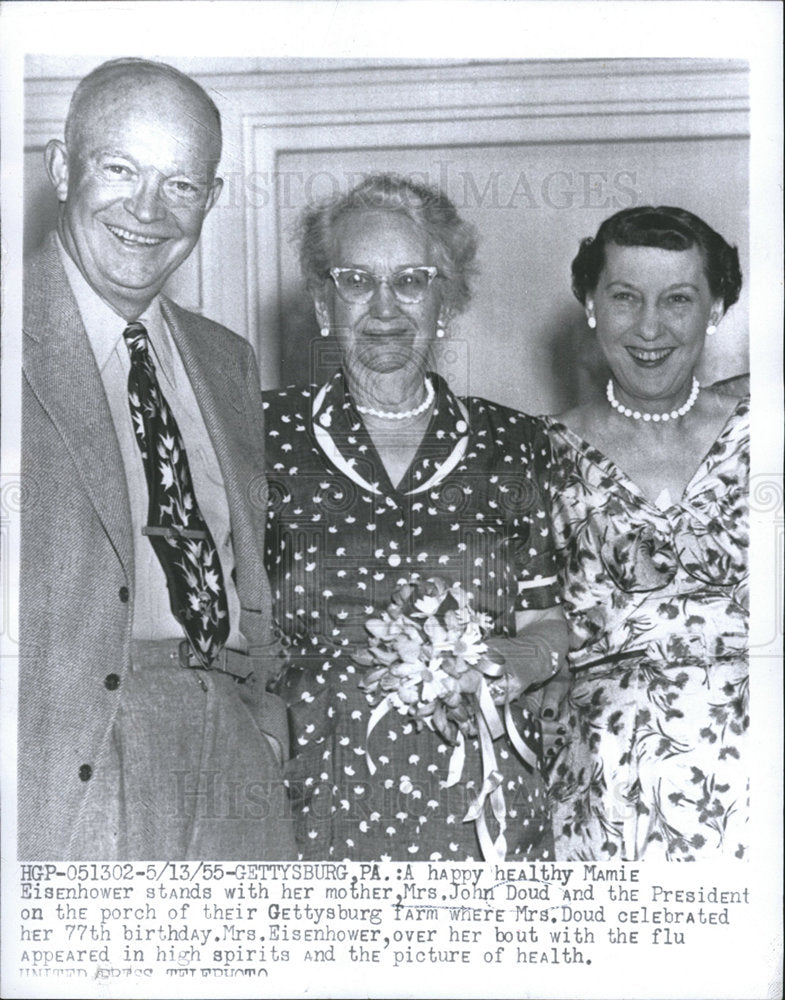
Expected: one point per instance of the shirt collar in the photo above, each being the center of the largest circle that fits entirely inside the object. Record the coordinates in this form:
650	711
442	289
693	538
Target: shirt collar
103	326
448	420
341	434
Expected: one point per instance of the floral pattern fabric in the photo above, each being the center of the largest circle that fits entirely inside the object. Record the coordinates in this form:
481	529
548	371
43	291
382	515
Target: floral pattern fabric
178	533
340	539
656	601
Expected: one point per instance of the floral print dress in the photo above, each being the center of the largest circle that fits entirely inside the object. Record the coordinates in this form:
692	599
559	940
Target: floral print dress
340	539
656	600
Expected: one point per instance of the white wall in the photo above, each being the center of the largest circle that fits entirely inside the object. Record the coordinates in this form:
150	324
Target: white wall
536	154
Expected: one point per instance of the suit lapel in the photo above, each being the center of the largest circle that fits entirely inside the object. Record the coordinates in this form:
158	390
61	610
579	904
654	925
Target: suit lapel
62	372
217	393
220	390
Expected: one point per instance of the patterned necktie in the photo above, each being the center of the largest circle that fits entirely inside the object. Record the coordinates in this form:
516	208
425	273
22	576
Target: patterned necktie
177	531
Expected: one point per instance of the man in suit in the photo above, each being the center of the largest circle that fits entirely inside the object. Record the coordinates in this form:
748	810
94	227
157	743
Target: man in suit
145	730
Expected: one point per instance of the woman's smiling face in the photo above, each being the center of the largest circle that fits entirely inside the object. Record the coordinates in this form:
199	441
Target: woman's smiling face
652	308
382	335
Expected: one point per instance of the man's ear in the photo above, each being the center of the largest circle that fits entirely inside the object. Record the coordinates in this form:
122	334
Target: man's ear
56	162
215	190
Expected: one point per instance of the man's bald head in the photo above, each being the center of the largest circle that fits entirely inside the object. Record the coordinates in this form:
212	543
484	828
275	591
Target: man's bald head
121	80
135	177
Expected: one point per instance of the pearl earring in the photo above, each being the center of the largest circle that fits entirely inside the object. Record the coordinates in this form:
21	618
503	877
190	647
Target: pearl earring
325	331
592	322
440	331
711	329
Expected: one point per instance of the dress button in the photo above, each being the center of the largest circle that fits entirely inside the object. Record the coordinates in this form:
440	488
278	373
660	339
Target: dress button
111	682
85	772
394	559
123	594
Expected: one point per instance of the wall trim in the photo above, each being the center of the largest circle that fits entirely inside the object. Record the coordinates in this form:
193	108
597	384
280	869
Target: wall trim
271	107
498	104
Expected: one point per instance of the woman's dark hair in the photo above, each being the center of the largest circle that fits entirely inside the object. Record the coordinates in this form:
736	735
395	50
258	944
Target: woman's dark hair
669	229
454	241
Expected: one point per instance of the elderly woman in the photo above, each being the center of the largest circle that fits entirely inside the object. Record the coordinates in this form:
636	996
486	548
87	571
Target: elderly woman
381	476
650	518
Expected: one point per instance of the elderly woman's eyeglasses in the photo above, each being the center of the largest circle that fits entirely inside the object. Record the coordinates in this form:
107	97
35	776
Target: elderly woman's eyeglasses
409	285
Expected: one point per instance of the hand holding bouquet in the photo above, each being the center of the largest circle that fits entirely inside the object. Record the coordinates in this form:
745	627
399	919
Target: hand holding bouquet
427	658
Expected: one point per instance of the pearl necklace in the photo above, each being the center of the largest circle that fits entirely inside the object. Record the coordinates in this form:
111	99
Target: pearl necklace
655	417
392	415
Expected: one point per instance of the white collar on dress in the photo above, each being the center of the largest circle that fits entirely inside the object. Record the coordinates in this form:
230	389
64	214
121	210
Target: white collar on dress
322	420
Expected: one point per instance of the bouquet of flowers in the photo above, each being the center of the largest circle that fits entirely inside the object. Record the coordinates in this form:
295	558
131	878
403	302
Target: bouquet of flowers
427	658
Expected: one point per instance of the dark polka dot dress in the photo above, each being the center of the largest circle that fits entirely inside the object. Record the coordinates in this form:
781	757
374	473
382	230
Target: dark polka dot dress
340	538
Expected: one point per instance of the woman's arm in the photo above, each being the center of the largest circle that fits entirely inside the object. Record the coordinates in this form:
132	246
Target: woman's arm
538	650
535	656
547	631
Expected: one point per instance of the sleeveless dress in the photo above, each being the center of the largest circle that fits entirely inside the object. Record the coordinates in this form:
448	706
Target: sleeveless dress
340	538
657	605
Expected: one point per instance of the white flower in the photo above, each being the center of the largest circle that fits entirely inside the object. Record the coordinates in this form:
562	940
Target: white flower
470	646
429	605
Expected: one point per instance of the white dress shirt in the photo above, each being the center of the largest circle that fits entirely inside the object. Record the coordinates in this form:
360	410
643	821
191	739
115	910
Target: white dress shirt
153	618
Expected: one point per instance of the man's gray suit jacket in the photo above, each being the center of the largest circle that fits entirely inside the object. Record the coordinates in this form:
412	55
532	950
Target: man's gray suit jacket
77	576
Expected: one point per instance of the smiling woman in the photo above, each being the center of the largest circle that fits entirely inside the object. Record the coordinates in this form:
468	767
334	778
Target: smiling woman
649	506
383	326
381	477
652	308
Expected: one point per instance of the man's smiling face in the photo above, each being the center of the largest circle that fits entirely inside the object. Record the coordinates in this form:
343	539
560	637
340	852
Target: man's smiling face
136	182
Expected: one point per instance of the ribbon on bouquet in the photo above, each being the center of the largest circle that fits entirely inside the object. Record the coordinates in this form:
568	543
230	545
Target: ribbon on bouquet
492	791
489	728
529	752
457	757
531	731
377	715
